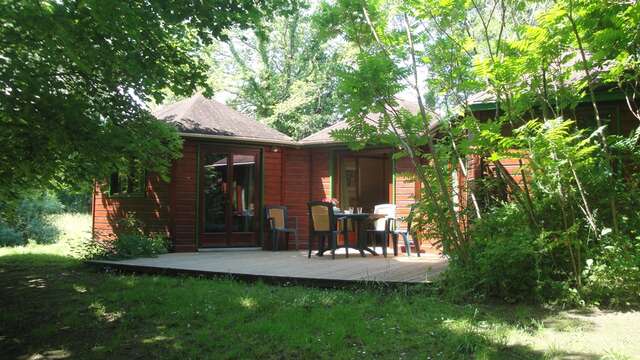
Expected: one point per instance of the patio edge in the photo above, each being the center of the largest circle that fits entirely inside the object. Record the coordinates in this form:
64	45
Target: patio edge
251	278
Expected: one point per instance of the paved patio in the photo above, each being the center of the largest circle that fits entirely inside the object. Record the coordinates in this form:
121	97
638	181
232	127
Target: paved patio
294	266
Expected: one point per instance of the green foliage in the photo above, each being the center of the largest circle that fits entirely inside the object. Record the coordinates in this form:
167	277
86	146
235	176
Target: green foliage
75	76
10	236
135	245
131	241
284	73
505	261
30	218
569	253
527	231
75	201
613	275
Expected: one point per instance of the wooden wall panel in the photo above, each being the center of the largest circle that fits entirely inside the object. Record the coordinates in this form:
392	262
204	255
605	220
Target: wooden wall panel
152	209
405	186
184	199
273	170
407	191
297	180
320	174
166	208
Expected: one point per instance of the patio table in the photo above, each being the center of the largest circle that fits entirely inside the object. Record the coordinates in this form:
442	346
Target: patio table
357	220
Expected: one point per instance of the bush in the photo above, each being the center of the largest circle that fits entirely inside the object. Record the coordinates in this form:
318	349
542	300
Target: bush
125	246
30	220
130	241
10	236
75	201
134	245
33	218
504	263
612	278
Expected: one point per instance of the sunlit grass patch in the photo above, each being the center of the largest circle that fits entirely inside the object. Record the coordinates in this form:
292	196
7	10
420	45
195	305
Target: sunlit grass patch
52	302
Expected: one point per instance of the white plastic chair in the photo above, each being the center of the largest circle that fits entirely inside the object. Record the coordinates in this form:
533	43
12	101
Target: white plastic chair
383	225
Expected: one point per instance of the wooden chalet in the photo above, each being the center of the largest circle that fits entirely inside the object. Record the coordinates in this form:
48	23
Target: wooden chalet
232	166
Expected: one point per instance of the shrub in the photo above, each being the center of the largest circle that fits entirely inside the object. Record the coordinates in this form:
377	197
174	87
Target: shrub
30	219
612	278
41	230
75	201
504	263
124	246
10	236
33	218
130	241
134	245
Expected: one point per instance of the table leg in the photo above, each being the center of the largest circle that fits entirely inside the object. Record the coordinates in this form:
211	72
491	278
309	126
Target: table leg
359	243
345	235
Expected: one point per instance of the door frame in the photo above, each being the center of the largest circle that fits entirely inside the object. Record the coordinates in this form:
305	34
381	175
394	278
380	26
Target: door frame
385	153
226	238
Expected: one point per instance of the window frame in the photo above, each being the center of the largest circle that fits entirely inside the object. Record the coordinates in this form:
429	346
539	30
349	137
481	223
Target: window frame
139	192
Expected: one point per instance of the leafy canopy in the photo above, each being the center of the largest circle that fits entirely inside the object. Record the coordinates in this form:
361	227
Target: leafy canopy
284	71
74	77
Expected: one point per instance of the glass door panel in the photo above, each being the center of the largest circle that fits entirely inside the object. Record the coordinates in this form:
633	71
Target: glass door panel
244	193
229	197
216	174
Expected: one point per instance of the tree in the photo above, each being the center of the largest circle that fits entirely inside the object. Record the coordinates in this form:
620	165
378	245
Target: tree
285	72
572	205
75	76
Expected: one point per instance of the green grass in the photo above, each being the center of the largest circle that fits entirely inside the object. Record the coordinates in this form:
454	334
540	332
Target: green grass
53	305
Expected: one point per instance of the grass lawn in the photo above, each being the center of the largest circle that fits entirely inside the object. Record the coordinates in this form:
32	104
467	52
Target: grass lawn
54	306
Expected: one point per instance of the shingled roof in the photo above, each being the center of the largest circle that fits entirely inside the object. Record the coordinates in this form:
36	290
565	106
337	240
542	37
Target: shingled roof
324	136
199	116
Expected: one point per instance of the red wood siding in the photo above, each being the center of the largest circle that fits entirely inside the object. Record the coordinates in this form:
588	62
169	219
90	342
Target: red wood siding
152	209
184	199
166	208
273	171
297	167
320	174
405	186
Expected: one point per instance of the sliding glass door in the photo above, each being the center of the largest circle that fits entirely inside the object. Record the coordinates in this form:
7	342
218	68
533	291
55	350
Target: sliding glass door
364	179
229	197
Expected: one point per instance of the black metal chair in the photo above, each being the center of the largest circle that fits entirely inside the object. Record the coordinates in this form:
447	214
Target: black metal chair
279	223
323	226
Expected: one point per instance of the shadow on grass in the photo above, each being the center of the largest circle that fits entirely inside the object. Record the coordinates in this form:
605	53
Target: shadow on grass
55	306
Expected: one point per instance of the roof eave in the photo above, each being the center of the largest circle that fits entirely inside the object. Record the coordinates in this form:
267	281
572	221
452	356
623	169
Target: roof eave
483	106
240	139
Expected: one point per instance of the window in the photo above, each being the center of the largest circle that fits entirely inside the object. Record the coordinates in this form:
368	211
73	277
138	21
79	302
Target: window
132	183
609	115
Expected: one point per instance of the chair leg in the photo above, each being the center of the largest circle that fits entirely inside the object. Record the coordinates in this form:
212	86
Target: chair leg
384	244
295	236
407	245
394	239
273	240
311	237
321	244
334	245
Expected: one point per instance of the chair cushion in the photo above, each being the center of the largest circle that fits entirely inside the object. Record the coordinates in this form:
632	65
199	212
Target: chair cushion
277	215
320	218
